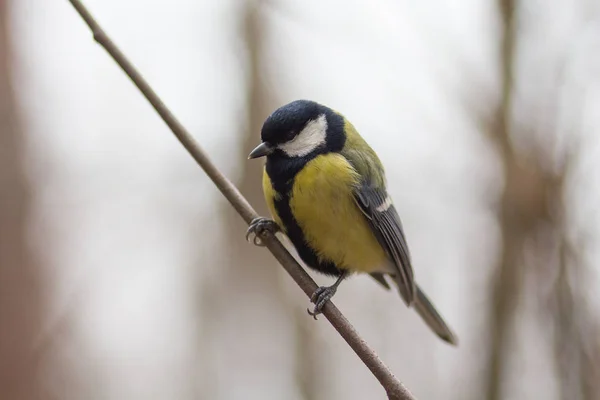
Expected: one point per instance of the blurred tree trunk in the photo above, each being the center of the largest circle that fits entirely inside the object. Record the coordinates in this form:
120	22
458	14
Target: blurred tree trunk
528	191
261	102
576	335
533	220
250	274
19	290
506	280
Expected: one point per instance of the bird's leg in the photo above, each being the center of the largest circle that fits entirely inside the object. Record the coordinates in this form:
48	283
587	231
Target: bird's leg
323	294
259	226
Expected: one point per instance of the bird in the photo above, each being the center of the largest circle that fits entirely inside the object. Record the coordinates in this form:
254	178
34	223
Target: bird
325	188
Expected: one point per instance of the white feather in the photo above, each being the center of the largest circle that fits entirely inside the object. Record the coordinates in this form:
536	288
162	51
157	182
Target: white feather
385	205
312	136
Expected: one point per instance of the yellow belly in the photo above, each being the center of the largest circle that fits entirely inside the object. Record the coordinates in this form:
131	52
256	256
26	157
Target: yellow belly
322	202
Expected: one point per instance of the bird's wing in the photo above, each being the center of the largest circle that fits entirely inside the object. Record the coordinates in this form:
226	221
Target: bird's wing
374	202
380	278
385	223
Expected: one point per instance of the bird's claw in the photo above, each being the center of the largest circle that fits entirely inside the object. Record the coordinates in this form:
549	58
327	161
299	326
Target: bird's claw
320	297
259	227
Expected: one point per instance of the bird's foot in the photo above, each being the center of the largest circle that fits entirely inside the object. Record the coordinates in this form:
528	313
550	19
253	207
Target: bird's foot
259	228
320	297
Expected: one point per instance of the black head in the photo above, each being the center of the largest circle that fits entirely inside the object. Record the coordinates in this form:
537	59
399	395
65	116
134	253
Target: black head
300	128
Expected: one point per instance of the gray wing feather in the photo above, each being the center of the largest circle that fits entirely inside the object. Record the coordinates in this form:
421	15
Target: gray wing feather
385	224
380	278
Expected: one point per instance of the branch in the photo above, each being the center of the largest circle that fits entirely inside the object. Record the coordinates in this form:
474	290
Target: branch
393	387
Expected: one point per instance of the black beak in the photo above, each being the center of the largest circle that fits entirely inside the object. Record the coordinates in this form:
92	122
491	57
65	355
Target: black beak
263	149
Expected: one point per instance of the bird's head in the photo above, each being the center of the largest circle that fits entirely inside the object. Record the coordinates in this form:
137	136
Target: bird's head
299	129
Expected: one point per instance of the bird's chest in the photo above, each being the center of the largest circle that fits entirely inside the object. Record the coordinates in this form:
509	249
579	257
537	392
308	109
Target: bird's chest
321	205
321	197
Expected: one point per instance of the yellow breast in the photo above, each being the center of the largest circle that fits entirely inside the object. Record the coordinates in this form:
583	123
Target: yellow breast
322	202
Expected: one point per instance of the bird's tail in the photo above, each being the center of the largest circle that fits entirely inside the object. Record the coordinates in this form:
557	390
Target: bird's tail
432	318
425	309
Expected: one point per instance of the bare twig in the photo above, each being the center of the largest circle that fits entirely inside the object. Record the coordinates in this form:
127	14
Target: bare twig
394	388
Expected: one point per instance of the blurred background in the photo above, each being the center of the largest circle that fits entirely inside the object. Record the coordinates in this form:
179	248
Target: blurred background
124	274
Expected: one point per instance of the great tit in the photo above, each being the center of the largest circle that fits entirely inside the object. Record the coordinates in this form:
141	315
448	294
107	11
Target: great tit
326	190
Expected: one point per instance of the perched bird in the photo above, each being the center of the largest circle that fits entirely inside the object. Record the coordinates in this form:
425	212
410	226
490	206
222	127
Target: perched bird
326	190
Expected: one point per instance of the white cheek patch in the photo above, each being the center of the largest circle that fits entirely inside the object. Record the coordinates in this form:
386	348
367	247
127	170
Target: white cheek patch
312	136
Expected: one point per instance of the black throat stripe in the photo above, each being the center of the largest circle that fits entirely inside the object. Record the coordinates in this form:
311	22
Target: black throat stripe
282	174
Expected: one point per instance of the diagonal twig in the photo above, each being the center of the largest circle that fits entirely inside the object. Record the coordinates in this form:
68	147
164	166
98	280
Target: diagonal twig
393	387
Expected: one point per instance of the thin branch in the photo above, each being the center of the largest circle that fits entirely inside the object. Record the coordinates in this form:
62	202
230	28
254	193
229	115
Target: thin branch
393	387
